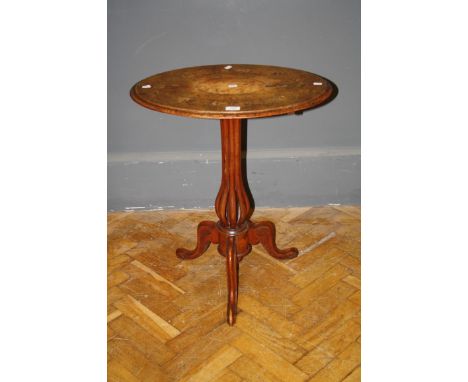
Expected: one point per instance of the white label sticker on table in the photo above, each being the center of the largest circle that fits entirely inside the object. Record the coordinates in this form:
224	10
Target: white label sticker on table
232	85
146	86
317	83
232	108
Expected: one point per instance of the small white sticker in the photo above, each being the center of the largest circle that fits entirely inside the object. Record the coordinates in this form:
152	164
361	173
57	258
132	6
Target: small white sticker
228	67
317	83
146	86
232	86
232	108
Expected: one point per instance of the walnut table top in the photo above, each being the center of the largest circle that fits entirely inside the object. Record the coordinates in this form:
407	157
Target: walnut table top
232	91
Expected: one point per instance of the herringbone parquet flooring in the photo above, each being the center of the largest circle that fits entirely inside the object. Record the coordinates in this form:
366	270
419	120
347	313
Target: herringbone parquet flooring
299	320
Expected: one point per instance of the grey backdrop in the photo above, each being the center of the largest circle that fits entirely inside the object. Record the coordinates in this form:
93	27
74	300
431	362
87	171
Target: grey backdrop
161	161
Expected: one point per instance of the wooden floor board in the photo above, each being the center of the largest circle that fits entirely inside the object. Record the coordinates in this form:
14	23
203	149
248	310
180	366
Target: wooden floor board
299	319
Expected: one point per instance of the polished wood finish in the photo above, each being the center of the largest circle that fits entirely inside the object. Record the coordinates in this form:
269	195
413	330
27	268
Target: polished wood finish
232	267
298	319
206	234
265	233
232	91
232	203
234	232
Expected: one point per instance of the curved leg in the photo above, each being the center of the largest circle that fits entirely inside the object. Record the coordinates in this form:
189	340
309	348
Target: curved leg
206	234
265	233
232	267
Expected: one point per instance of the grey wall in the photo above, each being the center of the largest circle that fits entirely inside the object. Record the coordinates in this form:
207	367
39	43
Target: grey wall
162	161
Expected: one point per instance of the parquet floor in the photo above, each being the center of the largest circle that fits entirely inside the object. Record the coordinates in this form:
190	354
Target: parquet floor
299	320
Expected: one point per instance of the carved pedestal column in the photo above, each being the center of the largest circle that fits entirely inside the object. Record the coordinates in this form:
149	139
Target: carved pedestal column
234	232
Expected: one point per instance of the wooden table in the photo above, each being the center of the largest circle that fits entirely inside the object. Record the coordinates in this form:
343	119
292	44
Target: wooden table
232	93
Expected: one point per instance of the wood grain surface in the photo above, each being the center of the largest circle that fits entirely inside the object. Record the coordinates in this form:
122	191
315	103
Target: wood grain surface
299	319
232	91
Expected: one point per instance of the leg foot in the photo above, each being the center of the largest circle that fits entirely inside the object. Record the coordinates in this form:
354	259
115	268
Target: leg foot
206	234
265	233
232	267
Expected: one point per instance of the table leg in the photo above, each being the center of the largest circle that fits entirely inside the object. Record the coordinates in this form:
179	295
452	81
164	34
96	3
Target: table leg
265	233
206	234
234	232
232	269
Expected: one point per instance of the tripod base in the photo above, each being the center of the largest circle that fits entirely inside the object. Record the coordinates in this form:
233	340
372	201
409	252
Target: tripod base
235	244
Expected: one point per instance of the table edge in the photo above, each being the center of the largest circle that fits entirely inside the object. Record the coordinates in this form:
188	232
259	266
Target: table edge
316	102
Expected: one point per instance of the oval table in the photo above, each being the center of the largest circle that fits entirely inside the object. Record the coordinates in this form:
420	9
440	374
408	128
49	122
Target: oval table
232	93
